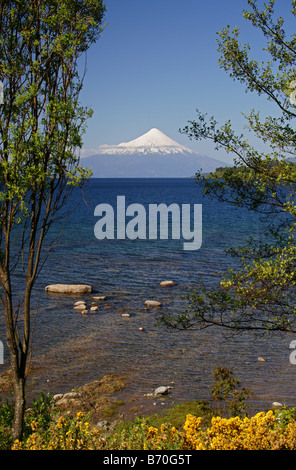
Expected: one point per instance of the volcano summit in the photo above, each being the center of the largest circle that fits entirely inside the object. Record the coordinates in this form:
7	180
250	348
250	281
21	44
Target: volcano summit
153	155
153	142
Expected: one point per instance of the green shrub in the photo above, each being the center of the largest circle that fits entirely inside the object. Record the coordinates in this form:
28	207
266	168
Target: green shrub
227	391
284	416
6	422
41	412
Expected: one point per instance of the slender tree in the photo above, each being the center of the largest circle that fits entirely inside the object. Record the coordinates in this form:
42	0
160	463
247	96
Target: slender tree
41	126
260	295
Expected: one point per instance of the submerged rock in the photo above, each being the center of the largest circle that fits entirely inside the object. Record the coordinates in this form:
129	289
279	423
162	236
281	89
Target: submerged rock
152	303
99	297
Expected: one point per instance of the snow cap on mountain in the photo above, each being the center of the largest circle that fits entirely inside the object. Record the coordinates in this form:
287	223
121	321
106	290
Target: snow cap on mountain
152	138
152	142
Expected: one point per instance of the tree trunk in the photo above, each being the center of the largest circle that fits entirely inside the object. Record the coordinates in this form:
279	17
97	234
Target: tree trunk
19	408
18	357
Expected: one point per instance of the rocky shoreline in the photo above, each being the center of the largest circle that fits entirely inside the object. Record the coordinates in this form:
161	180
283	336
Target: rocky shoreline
97	398
101	399
107	401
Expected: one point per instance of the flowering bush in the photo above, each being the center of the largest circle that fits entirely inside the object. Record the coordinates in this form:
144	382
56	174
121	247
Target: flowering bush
65	434
140	435
260	432
263	431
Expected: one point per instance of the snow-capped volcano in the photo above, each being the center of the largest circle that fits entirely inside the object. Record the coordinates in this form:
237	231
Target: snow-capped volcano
153	142
153	154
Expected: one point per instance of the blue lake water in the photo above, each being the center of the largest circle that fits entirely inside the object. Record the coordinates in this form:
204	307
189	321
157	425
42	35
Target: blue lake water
71	349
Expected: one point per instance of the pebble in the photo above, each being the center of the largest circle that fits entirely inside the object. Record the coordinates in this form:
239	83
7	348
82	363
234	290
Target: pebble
261	359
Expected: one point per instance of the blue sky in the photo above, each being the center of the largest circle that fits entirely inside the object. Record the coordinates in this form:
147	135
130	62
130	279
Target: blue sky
156	62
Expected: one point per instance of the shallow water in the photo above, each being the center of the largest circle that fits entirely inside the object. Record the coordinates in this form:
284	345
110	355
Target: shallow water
71	349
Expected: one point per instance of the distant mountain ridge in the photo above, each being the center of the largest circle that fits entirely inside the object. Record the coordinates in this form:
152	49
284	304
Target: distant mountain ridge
153	154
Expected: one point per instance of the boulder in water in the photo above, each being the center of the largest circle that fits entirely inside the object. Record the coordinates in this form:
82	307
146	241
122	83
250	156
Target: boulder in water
161	390
167	283
68	288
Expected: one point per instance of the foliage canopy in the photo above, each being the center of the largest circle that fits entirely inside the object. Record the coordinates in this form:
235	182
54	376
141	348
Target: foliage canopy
261	295
41	128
